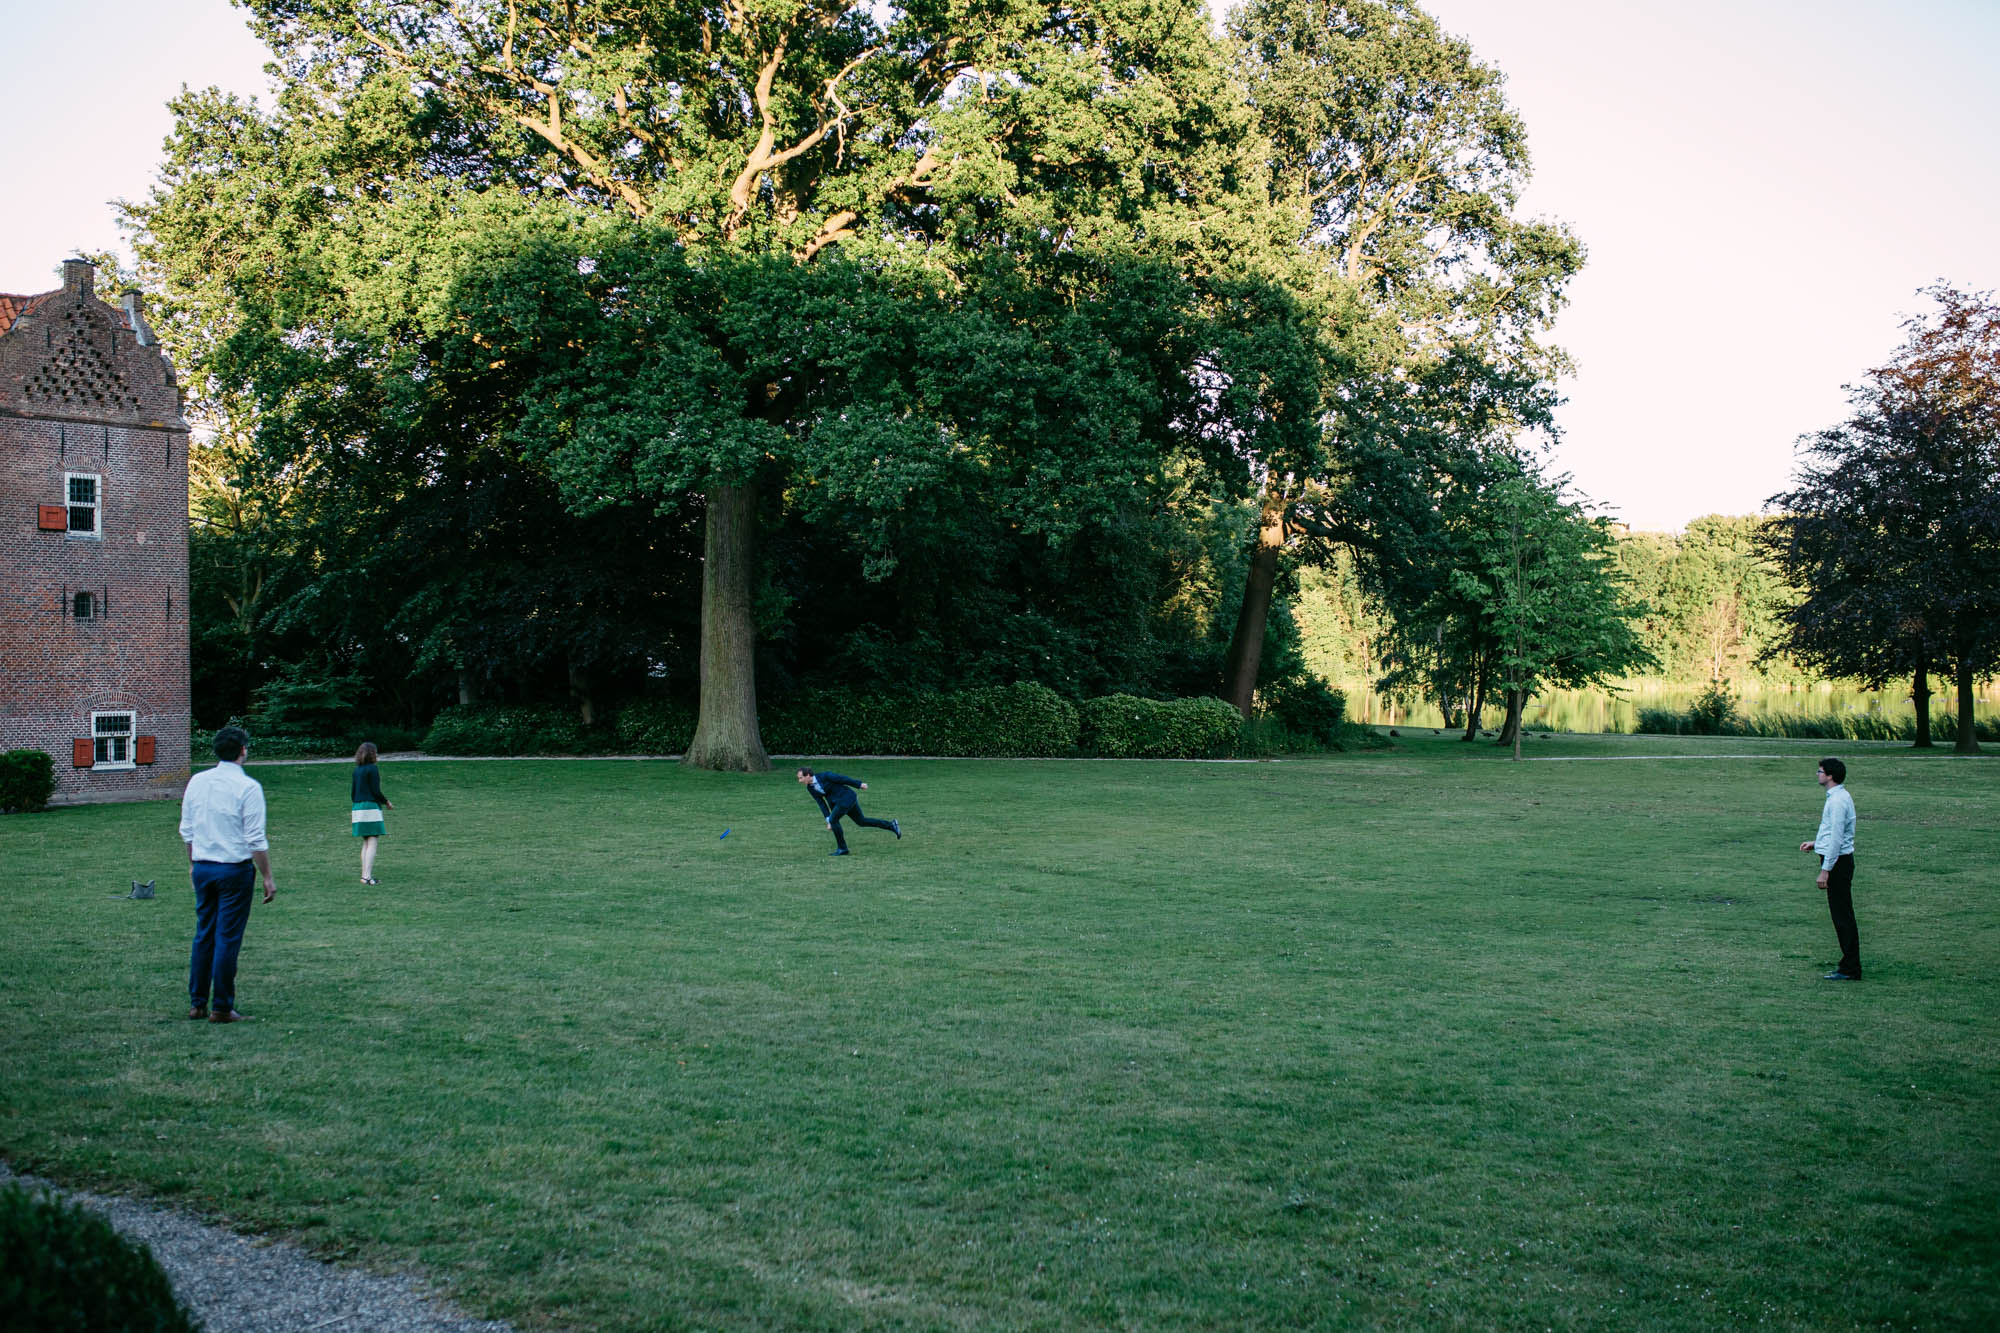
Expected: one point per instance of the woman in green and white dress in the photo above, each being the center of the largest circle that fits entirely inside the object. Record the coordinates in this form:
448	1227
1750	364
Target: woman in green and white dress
369	803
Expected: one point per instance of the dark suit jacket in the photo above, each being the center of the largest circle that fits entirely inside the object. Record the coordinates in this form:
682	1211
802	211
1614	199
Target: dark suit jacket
834	793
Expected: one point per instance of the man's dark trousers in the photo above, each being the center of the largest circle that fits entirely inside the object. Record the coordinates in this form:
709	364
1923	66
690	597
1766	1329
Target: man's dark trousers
222	893
1840	902
851	810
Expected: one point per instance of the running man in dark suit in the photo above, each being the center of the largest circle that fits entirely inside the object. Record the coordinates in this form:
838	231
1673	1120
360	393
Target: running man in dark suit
836	798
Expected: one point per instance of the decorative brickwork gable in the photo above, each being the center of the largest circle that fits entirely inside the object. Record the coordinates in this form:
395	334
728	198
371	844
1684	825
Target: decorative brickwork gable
92	434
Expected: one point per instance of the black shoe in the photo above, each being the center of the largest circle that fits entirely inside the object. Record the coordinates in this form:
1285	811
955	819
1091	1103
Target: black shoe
838	851
896	829
1838	975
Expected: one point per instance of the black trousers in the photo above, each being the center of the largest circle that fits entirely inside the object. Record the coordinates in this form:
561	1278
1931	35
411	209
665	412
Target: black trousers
1840	902
852	812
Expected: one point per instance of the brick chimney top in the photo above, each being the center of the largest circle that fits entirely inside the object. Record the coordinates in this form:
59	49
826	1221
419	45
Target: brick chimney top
78	276
135	315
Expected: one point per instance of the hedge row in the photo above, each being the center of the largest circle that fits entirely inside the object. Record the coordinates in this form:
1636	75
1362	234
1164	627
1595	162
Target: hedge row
284	745
1124	726
1023	720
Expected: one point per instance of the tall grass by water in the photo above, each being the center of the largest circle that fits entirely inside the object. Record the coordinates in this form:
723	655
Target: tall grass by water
1619	709
1412	1039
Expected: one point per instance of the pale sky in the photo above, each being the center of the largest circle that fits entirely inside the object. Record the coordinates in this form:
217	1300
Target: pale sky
1763	186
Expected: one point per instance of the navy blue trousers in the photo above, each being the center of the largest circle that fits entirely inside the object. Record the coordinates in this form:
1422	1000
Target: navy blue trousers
852	812
222	893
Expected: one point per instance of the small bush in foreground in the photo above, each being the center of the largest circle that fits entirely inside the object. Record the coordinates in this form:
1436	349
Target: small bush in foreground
64	1269
27	780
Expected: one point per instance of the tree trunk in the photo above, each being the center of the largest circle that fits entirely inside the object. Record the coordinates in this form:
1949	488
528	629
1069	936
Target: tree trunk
1246	649
1476	707
1510	730
579	694
1968	739
726	738
1920	697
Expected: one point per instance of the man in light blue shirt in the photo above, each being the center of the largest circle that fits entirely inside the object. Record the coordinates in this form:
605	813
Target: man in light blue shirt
222	823
1834	845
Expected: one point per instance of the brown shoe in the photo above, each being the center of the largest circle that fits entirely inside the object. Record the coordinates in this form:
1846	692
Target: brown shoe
227	1016
199	1012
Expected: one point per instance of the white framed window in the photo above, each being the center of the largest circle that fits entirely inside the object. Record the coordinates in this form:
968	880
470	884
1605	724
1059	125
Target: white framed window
111	739
83	606
85	497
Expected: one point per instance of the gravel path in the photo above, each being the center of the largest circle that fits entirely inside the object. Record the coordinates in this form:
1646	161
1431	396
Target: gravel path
239	1285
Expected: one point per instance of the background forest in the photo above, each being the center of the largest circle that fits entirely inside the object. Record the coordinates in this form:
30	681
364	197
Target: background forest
589	355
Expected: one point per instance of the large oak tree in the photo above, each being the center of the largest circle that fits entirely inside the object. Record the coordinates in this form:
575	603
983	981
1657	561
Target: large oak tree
926	137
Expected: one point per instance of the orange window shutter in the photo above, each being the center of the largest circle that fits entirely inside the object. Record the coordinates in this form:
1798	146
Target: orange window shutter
84	753
142	749
52	518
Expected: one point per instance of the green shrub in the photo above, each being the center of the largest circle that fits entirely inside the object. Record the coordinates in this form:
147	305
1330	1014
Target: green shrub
333	745
1124	726
477	729
1264	736
1307	707
64	1269
1659	722
654	726
27	780
304	699
1713	713
1014	720
996	720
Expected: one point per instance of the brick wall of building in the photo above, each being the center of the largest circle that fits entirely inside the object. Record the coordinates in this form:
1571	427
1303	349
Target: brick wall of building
84	393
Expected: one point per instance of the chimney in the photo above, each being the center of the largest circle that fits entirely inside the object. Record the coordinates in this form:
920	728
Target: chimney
77	276
135	315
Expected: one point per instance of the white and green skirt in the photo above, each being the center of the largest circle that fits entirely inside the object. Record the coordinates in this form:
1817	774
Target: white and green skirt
368	820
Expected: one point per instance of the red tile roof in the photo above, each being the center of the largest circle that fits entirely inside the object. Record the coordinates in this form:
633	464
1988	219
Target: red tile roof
13	307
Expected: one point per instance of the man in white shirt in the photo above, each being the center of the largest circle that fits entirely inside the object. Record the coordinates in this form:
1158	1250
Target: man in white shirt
222	823
1834	844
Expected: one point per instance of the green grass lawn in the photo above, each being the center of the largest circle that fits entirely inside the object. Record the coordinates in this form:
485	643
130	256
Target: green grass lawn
1421	1038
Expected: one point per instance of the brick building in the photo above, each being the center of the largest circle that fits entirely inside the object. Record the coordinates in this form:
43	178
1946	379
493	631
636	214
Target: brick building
93	544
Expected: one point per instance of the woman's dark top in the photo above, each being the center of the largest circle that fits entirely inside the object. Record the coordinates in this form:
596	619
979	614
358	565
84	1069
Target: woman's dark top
368	784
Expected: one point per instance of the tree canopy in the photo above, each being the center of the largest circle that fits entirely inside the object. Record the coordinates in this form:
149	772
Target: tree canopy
1892	525
1399	165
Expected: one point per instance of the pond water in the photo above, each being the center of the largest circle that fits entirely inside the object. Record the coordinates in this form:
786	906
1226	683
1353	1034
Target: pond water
1602	710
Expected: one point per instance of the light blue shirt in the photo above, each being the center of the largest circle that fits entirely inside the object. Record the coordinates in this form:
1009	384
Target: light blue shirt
222	814
1835	838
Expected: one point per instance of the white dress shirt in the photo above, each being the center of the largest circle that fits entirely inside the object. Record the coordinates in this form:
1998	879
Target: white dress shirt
222	814
1835	838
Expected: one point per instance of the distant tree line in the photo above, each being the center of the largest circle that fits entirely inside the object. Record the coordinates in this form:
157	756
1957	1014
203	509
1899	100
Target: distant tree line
1711	606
